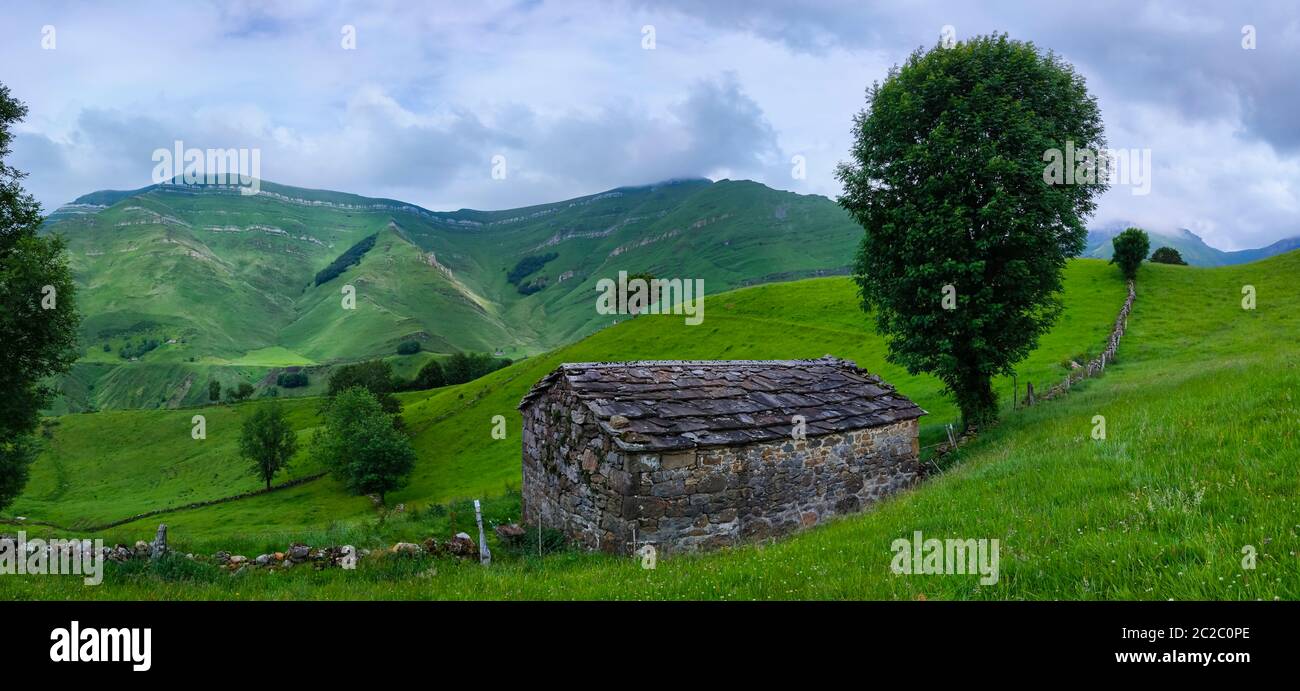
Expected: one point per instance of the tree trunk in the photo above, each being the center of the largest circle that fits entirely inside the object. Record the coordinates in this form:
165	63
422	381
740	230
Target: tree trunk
978	403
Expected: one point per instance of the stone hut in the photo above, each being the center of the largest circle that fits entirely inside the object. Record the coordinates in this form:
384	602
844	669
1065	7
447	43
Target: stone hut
688	455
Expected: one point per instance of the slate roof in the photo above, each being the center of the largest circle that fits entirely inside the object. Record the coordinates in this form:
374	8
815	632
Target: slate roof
665	405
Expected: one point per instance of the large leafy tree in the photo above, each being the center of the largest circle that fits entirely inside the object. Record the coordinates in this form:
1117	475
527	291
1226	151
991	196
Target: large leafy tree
268	441
361	446
1131	247
38	316
965	236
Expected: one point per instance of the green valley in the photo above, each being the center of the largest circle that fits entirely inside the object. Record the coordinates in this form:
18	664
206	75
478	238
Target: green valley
183	284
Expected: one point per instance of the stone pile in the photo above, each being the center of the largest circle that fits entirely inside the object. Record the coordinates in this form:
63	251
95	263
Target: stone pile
461	545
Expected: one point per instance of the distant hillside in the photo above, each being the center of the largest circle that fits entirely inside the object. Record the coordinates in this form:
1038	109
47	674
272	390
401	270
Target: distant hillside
1190	245
180	284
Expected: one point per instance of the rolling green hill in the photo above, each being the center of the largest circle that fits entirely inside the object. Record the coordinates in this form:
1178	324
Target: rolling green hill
181	284
1198	465
1190	246
145	459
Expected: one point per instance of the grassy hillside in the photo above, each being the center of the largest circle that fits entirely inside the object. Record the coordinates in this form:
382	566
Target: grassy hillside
183	284
1199	462
106	466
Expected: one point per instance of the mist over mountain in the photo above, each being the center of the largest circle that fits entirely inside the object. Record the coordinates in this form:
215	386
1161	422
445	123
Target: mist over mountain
1193	249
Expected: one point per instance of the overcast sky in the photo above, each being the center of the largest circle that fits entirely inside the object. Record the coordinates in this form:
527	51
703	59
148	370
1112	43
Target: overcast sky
572	98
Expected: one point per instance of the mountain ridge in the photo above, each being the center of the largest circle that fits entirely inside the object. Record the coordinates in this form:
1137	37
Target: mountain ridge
201	280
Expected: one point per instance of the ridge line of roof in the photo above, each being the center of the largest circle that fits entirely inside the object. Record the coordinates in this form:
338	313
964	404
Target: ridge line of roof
710	363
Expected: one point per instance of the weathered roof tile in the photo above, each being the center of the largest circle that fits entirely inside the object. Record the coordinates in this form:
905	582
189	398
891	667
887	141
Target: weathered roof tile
683	404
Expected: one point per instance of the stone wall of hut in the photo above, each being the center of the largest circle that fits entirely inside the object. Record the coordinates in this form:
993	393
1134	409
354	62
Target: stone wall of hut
576	480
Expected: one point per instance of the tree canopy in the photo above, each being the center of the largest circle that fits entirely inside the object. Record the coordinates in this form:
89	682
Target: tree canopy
38	315
268	441
1168	255
375	376
965	237
361	446
1131	247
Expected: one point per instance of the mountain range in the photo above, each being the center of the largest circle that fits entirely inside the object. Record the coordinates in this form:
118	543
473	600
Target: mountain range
181	284
1190	245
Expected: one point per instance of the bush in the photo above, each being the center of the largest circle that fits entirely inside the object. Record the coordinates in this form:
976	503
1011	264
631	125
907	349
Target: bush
1131	247
534	286
1167	255
361	445
463	367
375	376
129	351
431	376
408	347
352	256
214	390
528	265
291	380
239	393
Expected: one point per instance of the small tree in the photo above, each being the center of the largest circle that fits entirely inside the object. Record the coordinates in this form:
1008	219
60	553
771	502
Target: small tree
1167	255
431	376
240	393
375	376
1131	247
361	446
966	238
410	347
214	390
268	441
463	367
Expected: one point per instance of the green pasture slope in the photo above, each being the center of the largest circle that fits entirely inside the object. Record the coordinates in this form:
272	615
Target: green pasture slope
1199	462
224	284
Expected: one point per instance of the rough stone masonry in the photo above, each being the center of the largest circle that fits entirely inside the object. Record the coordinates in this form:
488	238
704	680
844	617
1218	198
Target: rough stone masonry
690	455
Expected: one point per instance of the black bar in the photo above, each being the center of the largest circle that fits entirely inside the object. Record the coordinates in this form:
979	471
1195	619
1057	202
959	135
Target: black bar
274	636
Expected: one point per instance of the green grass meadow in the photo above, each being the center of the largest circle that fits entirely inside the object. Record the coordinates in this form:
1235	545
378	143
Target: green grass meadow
1199	463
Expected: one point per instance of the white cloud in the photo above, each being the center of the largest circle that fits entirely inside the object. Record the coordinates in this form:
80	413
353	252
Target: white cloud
566	92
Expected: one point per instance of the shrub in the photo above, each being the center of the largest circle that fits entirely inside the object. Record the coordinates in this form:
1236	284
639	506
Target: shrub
239	393
352	256
375	376
533	286
1131	247
291	380
129	351
528	265
431	376
463	367
1167	255
410	347
361	445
